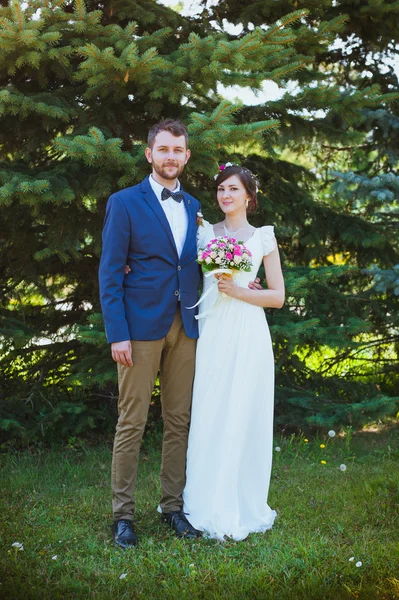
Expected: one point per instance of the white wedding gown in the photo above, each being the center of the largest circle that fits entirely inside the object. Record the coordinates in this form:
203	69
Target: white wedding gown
230	444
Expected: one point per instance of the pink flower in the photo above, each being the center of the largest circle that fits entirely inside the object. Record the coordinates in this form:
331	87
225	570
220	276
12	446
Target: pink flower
222	168
213	241
237	251
221	245
229	256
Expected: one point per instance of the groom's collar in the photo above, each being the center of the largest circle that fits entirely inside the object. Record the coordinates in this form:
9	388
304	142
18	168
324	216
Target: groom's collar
157	187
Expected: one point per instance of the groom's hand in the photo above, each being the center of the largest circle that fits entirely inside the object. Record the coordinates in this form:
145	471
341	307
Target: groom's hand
122	353
255	285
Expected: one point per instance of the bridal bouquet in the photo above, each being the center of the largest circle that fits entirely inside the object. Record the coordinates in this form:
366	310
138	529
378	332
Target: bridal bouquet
221	255
225	253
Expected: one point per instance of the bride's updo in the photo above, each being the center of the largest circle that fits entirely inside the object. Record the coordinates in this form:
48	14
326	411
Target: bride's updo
247	178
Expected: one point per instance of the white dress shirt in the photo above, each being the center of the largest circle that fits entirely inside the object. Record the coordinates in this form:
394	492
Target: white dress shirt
175	213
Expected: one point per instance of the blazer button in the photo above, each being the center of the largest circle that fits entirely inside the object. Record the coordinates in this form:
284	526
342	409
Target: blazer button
176	292
179	268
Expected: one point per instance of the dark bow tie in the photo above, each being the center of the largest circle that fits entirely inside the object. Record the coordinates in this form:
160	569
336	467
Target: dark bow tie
178	196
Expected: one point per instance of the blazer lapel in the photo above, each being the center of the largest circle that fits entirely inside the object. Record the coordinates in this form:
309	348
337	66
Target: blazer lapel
154	204
192	222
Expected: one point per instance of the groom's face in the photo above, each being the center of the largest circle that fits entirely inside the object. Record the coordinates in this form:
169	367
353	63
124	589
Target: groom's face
168	155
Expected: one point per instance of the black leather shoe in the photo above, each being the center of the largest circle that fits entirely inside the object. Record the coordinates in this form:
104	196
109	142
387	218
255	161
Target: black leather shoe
124	535
178	521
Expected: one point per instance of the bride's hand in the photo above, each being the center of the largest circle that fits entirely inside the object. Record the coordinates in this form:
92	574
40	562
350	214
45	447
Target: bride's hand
226	284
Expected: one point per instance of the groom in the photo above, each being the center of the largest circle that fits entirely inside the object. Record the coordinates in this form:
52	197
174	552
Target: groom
151	227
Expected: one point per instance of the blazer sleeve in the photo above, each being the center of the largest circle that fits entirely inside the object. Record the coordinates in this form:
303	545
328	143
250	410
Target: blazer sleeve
116	241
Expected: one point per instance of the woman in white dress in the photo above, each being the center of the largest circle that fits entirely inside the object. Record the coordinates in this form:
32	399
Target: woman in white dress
231	434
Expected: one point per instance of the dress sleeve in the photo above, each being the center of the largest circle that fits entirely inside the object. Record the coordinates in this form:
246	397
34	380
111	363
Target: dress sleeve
203	233
269	242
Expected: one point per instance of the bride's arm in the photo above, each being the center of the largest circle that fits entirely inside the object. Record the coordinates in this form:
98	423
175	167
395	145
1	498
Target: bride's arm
273	297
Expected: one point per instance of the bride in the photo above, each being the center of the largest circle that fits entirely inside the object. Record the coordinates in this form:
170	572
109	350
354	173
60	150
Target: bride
230	443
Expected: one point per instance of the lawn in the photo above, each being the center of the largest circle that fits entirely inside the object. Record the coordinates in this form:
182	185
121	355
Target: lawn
57	504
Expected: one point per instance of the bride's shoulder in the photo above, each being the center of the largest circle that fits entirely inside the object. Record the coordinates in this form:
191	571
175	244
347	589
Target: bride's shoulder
204	232
204	225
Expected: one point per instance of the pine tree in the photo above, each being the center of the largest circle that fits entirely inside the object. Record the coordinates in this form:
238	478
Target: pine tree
81	83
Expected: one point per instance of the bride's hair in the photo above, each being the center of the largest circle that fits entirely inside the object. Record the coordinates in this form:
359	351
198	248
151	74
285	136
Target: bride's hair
248	180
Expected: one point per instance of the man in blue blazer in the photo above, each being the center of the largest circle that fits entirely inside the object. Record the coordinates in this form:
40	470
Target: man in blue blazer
152	227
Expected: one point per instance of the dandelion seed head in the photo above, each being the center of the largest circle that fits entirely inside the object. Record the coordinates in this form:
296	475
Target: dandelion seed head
352	558
277	448
332	433
342	467
359	563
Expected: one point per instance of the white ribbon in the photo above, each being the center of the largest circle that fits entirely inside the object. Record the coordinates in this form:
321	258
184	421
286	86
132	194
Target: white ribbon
209	291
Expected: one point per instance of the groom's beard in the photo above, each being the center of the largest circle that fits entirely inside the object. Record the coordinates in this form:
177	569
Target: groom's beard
169	173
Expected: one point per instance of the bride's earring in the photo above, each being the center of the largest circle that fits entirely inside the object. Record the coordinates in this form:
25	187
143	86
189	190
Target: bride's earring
246	204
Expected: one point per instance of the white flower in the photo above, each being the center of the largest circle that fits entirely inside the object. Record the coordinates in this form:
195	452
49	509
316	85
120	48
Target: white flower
123	576
218	260
359	563
213	254
277	448
352	558
18	545
237	259
214	246
208	260
228	164
221	254
342	467
54	557
332	433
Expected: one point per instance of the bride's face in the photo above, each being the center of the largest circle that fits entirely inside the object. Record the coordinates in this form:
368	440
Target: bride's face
232	196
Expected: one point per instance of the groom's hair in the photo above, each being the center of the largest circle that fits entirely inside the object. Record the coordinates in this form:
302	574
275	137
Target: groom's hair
176	128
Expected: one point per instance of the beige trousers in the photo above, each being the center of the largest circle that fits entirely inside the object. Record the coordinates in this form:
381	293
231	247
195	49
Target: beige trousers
174	357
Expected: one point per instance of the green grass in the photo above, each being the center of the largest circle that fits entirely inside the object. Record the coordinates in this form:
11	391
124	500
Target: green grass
58	503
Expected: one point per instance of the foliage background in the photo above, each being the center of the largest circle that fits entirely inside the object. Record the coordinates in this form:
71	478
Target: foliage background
80	84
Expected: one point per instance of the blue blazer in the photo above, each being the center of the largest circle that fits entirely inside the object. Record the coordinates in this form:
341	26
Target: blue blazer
142	304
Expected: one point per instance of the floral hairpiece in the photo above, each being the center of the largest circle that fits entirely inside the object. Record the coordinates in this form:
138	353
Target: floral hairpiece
223	167
229	164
